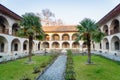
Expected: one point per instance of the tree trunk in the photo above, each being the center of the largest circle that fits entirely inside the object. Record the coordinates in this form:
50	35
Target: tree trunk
89	49
30	48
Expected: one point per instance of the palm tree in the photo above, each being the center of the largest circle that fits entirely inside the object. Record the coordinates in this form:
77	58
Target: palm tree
88	31
30	28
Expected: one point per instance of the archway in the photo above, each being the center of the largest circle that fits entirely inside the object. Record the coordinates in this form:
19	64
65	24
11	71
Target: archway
55	45
39	46
45	44
114	28
15	45
4	25
47	37
65	45
115	43
105	44
105	29
65	37
74	36
15	28
75	45
55	37
25	45
3	44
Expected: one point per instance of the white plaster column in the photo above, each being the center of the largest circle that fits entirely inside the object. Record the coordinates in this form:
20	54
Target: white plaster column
70	35
50	45
60	45
50	36
60	37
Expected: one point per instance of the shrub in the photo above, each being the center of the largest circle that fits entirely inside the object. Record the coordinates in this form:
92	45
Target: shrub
36	69
25	77
70	74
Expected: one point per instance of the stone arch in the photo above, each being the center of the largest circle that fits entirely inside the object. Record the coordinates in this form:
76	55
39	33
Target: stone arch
55	37
33	46
74	36
84	45
100	45
55	45
65	45
15	45
39	45
4	25
105	44
115	43
75	45
25	45
45	44
65	37
114	27
15	28
47	37
3	44
105	29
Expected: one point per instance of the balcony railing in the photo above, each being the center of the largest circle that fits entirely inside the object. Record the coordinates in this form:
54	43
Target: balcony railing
4	31
114	31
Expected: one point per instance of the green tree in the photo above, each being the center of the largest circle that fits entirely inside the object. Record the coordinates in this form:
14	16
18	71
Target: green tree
89	31
31	29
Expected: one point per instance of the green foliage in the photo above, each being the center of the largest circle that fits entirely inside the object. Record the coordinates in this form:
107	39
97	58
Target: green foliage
15	70
36	69
70	74
89	29
31	26
25	77
103	69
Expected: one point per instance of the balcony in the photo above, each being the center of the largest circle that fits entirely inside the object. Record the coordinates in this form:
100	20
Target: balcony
114	31
4	31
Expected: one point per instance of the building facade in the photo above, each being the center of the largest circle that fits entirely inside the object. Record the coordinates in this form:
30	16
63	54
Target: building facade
10	44
57	38
110	25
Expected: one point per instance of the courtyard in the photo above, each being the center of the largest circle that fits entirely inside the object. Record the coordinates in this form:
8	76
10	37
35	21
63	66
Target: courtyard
78	40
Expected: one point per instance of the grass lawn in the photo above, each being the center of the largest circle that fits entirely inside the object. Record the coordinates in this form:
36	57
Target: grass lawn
103	69
14	70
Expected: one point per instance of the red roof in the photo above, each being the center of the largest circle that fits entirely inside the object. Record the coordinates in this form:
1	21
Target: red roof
113	13
8	12
59	28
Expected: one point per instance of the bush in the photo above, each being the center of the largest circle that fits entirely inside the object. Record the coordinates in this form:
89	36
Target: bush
36	69
70	74
25	77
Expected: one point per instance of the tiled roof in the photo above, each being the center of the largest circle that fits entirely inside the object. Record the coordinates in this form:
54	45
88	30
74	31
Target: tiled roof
113	13
59	28
8	12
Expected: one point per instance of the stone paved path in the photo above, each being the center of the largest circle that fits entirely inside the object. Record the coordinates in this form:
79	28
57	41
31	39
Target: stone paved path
56	70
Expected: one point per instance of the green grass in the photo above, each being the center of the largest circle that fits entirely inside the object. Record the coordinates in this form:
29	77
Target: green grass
103	69
14	70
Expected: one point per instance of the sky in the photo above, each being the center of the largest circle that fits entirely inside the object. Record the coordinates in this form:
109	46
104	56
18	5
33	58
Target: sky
71	12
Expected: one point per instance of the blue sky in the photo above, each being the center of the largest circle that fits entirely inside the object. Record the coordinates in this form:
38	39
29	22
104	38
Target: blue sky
70	11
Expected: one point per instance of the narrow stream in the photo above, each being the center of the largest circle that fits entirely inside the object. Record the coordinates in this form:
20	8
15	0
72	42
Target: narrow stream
56	70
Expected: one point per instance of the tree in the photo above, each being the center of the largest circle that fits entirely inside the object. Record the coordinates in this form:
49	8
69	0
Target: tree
30	28
47	14
88	31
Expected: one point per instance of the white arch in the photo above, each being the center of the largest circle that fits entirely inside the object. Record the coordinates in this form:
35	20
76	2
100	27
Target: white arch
65	45
55	45
115	43
15	45
3	44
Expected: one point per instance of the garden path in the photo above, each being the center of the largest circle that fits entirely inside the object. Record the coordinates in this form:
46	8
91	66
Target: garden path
56	70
